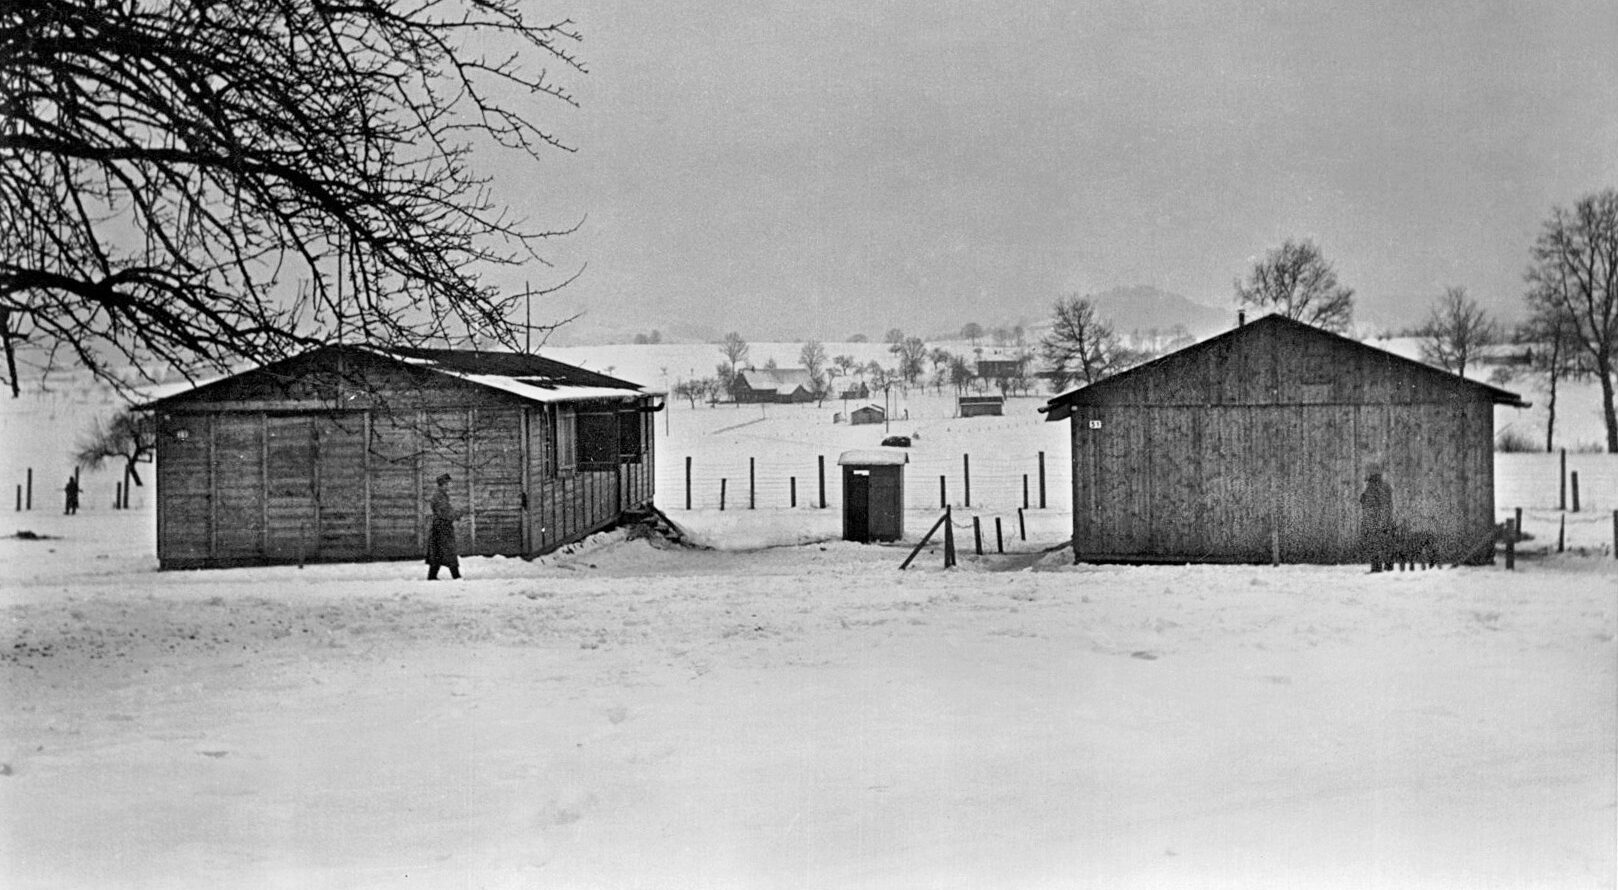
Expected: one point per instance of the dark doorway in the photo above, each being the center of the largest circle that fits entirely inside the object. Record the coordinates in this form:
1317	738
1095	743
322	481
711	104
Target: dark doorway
857	510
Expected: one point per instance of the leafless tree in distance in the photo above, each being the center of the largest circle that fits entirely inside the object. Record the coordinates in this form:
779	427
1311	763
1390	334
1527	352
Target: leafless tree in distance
1296	280
1574	279
1081	348
1455	329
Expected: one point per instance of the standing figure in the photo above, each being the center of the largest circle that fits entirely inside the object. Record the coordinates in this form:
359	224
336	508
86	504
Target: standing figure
1376	520
72	492
441	549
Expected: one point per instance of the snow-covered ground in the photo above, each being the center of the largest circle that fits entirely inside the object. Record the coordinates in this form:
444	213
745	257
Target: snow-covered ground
789	710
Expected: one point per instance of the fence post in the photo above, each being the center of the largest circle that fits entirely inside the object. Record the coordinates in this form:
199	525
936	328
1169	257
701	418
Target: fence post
28	502
117	495
1575	475
966	476
822	459
1615	534
722	494
1042	480
943	498
19	499
752	491
977	534
1519	519
1563	479
688	482
949	537
1561	535
999	538
1511	544
1022	526
1025	491
794	480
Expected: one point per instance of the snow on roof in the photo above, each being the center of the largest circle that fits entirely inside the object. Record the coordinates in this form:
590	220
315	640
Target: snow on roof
527	377
873	457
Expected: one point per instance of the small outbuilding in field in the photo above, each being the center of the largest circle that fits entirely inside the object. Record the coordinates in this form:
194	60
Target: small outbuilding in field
331	456
981	406
1256	444
867	414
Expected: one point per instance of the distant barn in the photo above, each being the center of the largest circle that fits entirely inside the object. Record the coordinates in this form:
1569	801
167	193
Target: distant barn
868	414
774	385
1270	429
331	456
981	406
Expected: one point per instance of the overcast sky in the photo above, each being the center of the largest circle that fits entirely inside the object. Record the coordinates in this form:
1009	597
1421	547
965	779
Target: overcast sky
819	168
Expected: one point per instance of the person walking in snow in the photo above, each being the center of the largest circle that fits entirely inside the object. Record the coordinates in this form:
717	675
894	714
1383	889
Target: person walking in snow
441	549
1376	520
71	490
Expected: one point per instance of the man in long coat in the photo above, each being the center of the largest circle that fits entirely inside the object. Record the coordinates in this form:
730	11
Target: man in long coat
1376	520
441	549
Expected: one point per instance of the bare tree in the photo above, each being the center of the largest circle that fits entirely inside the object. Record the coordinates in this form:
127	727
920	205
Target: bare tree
813	357
129	436
1549	340
198	184
1080	348
1297	281
1574	279
735	351
1455	329
911	353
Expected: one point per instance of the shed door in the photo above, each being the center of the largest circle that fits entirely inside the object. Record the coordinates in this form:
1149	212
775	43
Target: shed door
857	506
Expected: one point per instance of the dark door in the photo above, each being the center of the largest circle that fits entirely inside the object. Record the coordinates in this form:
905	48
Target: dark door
857	507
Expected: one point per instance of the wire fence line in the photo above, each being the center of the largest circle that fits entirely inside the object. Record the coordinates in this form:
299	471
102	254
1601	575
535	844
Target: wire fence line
981	481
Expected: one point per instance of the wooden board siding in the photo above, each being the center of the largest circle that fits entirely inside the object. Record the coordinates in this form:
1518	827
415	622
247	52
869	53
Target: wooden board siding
183	480
1210	483
238	518
497	482
395	487
340	486
290	505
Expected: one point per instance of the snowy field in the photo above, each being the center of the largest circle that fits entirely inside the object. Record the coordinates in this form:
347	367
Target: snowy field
788	710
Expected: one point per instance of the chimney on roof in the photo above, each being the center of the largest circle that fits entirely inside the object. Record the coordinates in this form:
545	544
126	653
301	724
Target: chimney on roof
1241	317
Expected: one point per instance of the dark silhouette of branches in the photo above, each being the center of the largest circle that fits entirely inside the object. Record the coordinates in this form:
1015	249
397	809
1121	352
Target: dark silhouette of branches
195	184
1297	281
1573	283
1455	330
1081	348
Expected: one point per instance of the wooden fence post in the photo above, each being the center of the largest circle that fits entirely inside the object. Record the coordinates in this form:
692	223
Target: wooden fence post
1561	535
722	483
117	496
999	538
19	499
1042	480
1511	544
966	477
1562	505
1615	534
794	481
1022	526
28	502
977	534
943	498
1575	476
1519	519
949	537
752	491
688	482
822	459
1025	491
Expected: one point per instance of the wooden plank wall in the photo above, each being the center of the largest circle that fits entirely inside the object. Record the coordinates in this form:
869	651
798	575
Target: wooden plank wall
289	508
238	471
183	484
1211	482
396	487
497	482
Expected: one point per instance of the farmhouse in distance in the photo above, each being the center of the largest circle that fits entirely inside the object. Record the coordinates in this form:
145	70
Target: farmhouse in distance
1255	444
331	456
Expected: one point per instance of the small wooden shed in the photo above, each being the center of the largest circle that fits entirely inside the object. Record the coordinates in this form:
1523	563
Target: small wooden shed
1257	443
867	414
981	406
331	456
873	494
